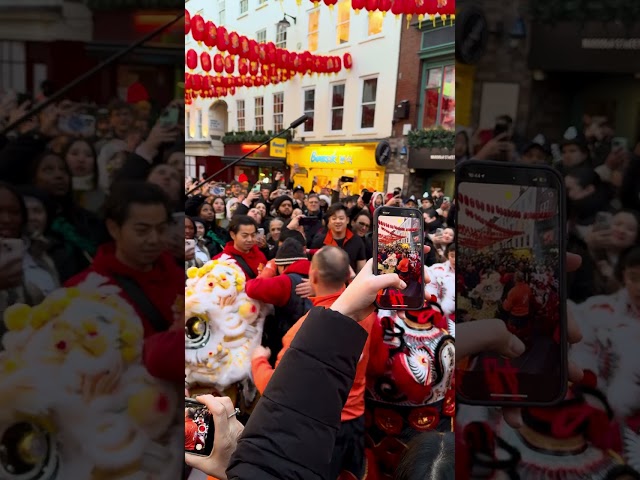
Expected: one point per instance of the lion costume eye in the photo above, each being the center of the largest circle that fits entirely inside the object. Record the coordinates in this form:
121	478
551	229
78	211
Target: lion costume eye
27	452
196	332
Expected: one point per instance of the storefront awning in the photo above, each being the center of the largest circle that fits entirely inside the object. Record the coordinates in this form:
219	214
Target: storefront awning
592	47
431	162
256	161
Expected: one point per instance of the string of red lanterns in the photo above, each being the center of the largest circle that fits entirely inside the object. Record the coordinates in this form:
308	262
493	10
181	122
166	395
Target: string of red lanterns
503	212
489	224
396	229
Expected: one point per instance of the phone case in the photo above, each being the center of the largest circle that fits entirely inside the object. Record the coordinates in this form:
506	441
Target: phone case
564	348
376	214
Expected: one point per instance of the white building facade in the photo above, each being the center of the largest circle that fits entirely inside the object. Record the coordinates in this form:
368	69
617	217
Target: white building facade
352	107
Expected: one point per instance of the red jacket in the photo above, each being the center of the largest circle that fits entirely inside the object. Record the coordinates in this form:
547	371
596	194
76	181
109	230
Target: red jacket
276	290
163	352
255	258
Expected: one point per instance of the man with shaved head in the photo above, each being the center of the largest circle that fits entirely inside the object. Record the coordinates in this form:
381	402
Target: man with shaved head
330	271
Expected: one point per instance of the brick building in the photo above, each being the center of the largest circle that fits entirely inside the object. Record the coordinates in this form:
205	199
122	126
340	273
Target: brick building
426	77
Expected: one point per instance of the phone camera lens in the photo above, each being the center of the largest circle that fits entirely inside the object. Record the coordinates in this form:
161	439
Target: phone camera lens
25	452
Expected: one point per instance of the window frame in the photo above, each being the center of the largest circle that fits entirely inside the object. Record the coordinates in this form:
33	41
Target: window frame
12	65
261	32
245	4
255	113
316	33
281	31
242	128
368	26
310	113
426	67
278	113
333	85
347	22
362	102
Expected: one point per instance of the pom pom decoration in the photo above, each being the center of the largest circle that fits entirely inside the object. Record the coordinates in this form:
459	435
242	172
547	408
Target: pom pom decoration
74	385
223	325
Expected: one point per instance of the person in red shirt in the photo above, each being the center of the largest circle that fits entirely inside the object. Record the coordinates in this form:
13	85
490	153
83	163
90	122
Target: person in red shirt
518	305
138	217
190	430
328	274
243	247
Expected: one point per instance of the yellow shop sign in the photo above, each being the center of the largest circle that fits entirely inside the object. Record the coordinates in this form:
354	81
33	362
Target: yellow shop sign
278	148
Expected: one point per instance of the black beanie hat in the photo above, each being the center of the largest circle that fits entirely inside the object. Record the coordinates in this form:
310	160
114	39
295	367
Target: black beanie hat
289	252
278	201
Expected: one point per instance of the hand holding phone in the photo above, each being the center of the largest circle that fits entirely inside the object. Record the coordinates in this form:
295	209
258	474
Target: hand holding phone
523	284
398	249
223	430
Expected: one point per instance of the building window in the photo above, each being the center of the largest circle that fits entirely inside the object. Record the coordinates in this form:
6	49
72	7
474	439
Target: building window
262	2
309	108
369	90
222	18
188	124
337	106
261	36
240	115
281	36
200	132
278	111
375	23
342	27
190	166
440	98
259	113
13	67
312	36
244	6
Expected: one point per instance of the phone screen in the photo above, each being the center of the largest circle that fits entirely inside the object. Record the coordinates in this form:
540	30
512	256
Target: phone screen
170	117
398	238
198	428
511	247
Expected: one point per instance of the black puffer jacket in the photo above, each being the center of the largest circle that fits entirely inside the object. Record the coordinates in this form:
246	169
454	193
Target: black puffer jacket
292	431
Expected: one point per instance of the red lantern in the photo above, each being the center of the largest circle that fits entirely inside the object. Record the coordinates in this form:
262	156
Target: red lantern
218	63
196	85
330	3
409	10
449	9
210	35
248	81
234	43
253	68
283	57
254	51
232	90
347	60
223	39
384	6
262	53
329	64
307	62
205	62
192	59
229	64
371	5
397	7
243	67
357	5
265	70
206	83
337	64
244	47
187	22
293	61
271	53
187	82
197	28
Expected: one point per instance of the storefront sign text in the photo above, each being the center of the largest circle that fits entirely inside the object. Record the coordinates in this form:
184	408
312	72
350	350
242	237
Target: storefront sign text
334	159
611	43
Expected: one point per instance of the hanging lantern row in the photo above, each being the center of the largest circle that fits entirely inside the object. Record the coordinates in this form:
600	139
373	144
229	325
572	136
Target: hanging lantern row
218	37
423	8
209	86
303	63
503	212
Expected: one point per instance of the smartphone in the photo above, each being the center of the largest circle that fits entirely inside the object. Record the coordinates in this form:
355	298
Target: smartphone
620	143
261	231
511	219
189	242
346	179
602	221
218	191
256	188
304	221
439	232
198	428
499	129
446	199
78	124
366	197
11	250
398	235
170	116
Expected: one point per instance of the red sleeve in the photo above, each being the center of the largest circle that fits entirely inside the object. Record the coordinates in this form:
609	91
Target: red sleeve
275	290
378	351
312	251
163	355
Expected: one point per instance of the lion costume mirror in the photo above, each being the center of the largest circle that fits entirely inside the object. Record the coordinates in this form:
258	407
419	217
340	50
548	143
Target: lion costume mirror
222	328
76	400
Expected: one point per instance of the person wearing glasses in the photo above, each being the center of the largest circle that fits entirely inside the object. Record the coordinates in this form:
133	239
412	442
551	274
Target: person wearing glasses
361	226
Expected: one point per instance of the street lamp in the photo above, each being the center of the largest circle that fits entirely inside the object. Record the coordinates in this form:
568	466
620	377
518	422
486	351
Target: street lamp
284	23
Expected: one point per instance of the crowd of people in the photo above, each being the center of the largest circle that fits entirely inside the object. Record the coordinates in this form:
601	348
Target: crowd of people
301	249
600	172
